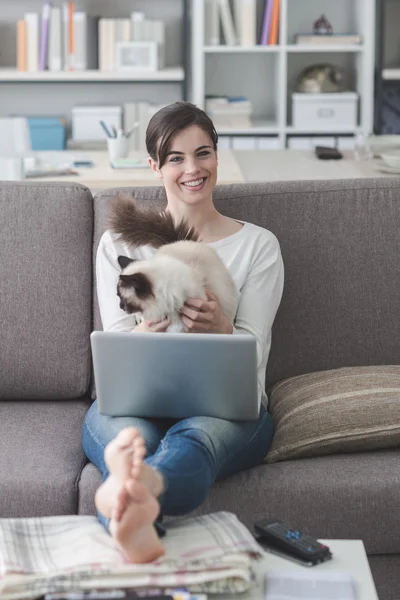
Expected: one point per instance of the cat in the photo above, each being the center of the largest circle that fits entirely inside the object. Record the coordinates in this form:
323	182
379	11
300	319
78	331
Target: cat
321	79
182	267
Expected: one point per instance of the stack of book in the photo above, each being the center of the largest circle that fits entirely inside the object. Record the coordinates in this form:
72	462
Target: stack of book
328	39
64	39
229	111
239	26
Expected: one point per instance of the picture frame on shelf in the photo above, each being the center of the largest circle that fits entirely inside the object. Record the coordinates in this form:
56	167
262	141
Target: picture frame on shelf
134	56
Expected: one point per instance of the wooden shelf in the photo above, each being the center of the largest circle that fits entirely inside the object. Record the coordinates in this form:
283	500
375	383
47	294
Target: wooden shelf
172	74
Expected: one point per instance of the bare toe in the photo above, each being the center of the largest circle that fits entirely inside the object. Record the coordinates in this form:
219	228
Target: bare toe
124	451
139	452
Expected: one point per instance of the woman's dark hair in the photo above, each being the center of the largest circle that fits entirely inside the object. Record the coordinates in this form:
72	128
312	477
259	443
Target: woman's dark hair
170	119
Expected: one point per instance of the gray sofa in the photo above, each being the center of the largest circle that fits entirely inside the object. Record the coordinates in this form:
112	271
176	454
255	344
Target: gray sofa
341	246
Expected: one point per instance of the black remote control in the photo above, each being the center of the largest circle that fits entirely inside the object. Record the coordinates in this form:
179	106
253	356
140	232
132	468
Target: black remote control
292	541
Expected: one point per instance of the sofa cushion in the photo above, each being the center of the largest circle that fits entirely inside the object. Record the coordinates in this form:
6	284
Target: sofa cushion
46	280
347	496
341	410
40	457
88	484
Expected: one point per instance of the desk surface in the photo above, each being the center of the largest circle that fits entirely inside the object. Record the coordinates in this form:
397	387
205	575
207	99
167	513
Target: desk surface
234	166
295	165
101	175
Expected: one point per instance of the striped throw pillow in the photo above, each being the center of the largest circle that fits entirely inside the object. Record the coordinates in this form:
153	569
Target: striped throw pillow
342	410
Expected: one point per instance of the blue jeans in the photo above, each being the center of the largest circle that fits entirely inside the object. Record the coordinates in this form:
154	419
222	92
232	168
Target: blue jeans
190	453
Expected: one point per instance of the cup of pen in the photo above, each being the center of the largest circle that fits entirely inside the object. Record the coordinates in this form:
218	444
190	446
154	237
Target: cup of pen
117	142
118	147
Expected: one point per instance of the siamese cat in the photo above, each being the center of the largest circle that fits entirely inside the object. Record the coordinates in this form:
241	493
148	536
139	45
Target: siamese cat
182	267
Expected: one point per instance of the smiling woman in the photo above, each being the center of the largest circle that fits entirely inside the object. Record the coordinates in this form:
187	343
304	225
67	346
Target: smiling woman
156	467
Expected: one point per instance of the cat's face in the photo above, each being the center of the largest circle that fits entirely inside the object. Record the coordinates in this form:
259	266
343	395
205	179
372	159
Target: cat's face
157	287
135	289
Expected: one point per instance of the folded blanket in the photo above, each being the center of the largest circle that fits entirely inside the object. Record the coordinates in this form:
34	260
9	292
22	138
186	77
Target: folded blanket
208	554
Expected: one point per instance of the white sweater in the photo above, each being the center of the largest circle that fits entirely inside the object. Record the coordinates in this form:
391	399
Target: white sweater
254	260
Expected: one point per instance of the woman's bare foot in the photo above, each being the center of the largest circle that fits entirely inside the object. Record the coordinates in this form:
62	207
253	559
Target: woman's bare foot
124	457
132	520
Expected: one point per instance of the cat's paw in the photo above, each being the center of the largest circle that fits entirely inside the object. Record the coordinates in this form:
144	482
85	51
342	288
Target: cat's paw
176	327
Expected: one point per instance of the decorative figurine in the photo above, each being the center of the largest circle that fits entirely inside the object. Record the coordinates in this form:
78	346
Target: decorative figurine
322	26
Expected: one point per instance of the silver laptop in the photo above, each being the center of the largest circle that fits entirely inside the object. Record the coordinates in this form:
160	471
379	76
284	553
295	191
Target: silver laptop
176	375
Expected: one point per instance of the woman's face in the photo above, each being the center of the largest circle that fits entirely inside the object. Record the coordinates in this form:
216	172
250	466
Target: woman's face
190	169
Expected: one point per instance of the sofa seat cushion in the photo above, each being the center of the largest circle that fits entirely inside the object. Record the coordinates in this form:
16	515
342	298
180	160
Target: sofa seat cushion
40	457
344	496
341	410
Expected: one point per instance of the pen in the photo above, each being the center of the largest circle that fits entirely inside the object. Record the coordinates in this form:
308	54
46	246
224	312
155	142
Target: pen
114	131
135	126
104	126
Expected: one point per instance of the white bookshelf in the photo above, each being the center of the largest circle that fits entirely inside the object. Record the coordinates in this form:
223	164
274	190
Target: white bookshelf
47	93
266	74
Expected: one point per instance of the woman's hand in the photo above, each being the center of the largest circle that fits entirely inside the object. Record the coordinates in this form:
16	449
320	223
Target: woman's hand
150	327
205	316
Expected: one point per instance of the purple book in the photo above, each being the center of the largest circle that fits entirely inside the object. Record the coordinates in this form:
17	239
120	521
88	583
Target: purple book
44	36
267	22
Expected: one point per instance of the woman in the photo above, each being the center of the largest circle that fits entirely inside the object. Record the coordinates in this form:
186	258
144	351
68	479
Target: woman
153	466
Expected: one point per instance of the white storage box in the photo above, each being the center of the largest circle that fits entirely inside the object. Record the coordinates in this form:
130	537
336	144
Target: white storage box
324	112
86	121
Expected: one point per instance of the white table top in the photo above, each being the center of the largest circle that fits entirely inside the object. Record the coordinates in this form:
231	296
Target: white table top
295	165
234	166
101	175
349	556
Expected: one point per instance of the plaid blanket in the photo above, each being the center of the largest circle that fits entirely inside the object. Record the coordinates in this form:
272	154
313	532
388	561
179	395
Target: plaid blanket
208	554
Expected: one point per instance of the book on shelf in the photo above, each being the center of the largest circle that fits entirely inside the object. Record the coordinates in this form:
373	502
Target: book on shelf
211	23
274	31
21	46
246	22
32	41
270	23
229	111
328	39
85	41
55	56
227	23
44	36
67	39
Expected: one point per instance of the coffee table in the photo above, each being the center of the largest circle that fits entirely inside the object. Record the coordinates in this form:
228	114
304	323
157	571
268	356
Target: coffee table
348	556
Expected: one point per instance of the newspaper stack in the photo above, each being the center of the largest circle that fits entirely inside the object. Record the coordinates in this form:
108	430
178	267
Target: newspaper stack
209	554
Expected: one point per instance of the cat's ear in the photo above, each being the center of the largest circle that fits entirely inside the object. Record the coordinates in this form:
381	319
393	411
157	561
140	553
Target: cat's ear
124	261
